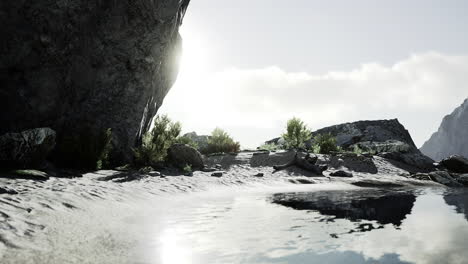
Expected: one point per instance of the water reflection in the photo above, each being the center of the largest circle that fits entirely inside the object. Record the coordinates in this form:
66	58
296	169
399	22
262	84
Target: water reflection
319	227
459	199
382	207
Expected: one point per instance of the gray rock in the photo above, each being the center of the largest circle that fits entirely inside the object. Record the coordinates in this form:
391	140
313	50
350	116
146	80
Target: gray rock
217	174
444	178
455	163
154	173
85	66
209	169
25	174
463	179
7	191
450	138
341	173
28	149
181	155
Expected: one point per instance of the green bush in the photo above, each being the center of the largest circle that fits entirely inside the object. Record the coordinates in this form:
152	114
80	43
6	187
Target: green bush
325	144
187	141
270	147
221	142
155	143
187	169
296	134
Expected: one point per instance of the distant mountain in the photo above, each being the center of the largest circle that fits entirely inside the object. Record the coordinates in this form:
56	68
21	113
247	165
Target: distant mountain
452	136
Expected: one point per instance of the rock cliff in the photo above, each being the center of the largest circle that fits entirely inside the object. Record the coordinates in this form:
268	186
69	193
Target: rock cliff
82	67
451	138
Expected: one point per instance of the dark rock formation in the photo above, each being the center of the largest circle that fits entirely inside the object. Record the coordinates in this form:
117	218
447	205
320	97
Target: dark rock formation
81	67
27	149
341	173
451	138
455	163
181	155
442	177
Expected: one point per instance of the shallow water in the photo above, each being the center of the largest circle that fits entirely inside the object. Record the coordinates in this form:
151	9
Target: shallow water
301	224
333	226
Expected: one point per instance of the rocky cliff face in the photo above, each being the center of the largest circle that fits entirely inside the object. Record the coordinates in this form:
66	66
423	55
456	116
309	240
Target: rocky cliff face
451	138
82	67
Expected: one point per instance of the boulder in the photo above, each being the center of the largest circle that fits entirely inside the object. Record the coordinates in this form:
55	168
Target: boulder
27	149
181	155
81	67
341	173
455	163
444	178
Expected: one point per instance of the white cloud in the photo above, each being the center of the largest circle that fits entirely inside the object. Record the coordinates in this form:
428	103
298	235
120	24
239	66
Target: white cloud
254	104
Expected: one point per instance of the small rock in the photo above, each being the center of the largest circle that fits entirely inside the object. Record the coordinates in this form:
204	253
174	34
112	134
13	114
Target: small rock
341	173
154	173
28	174
218	166
217	174
304	181
209	169
260	174
7	191
146	170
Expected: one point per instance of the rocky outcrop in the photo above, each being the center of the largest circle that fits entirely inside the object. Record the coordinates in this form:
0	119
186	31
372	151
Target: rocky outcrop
386	138
27	149
368	131
451	137
181	155
455	163
82	67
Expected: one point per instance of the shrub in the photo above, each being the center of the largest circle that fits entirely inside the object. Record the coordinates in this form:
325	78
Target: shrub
325	144
187	169
296	134
357	150
154	145
187	141
270	147
221	142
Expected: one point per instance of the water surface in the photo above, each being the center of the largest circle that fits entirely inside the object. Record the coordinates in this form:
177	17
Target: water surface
330	226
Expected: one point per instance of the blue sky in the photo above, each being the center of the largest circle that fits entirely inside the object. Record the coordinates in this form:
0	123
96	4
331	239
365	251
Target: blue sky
407	60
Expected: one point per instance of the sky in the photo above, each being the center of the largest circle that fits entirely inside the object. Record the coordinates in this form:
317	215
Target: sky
250	65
